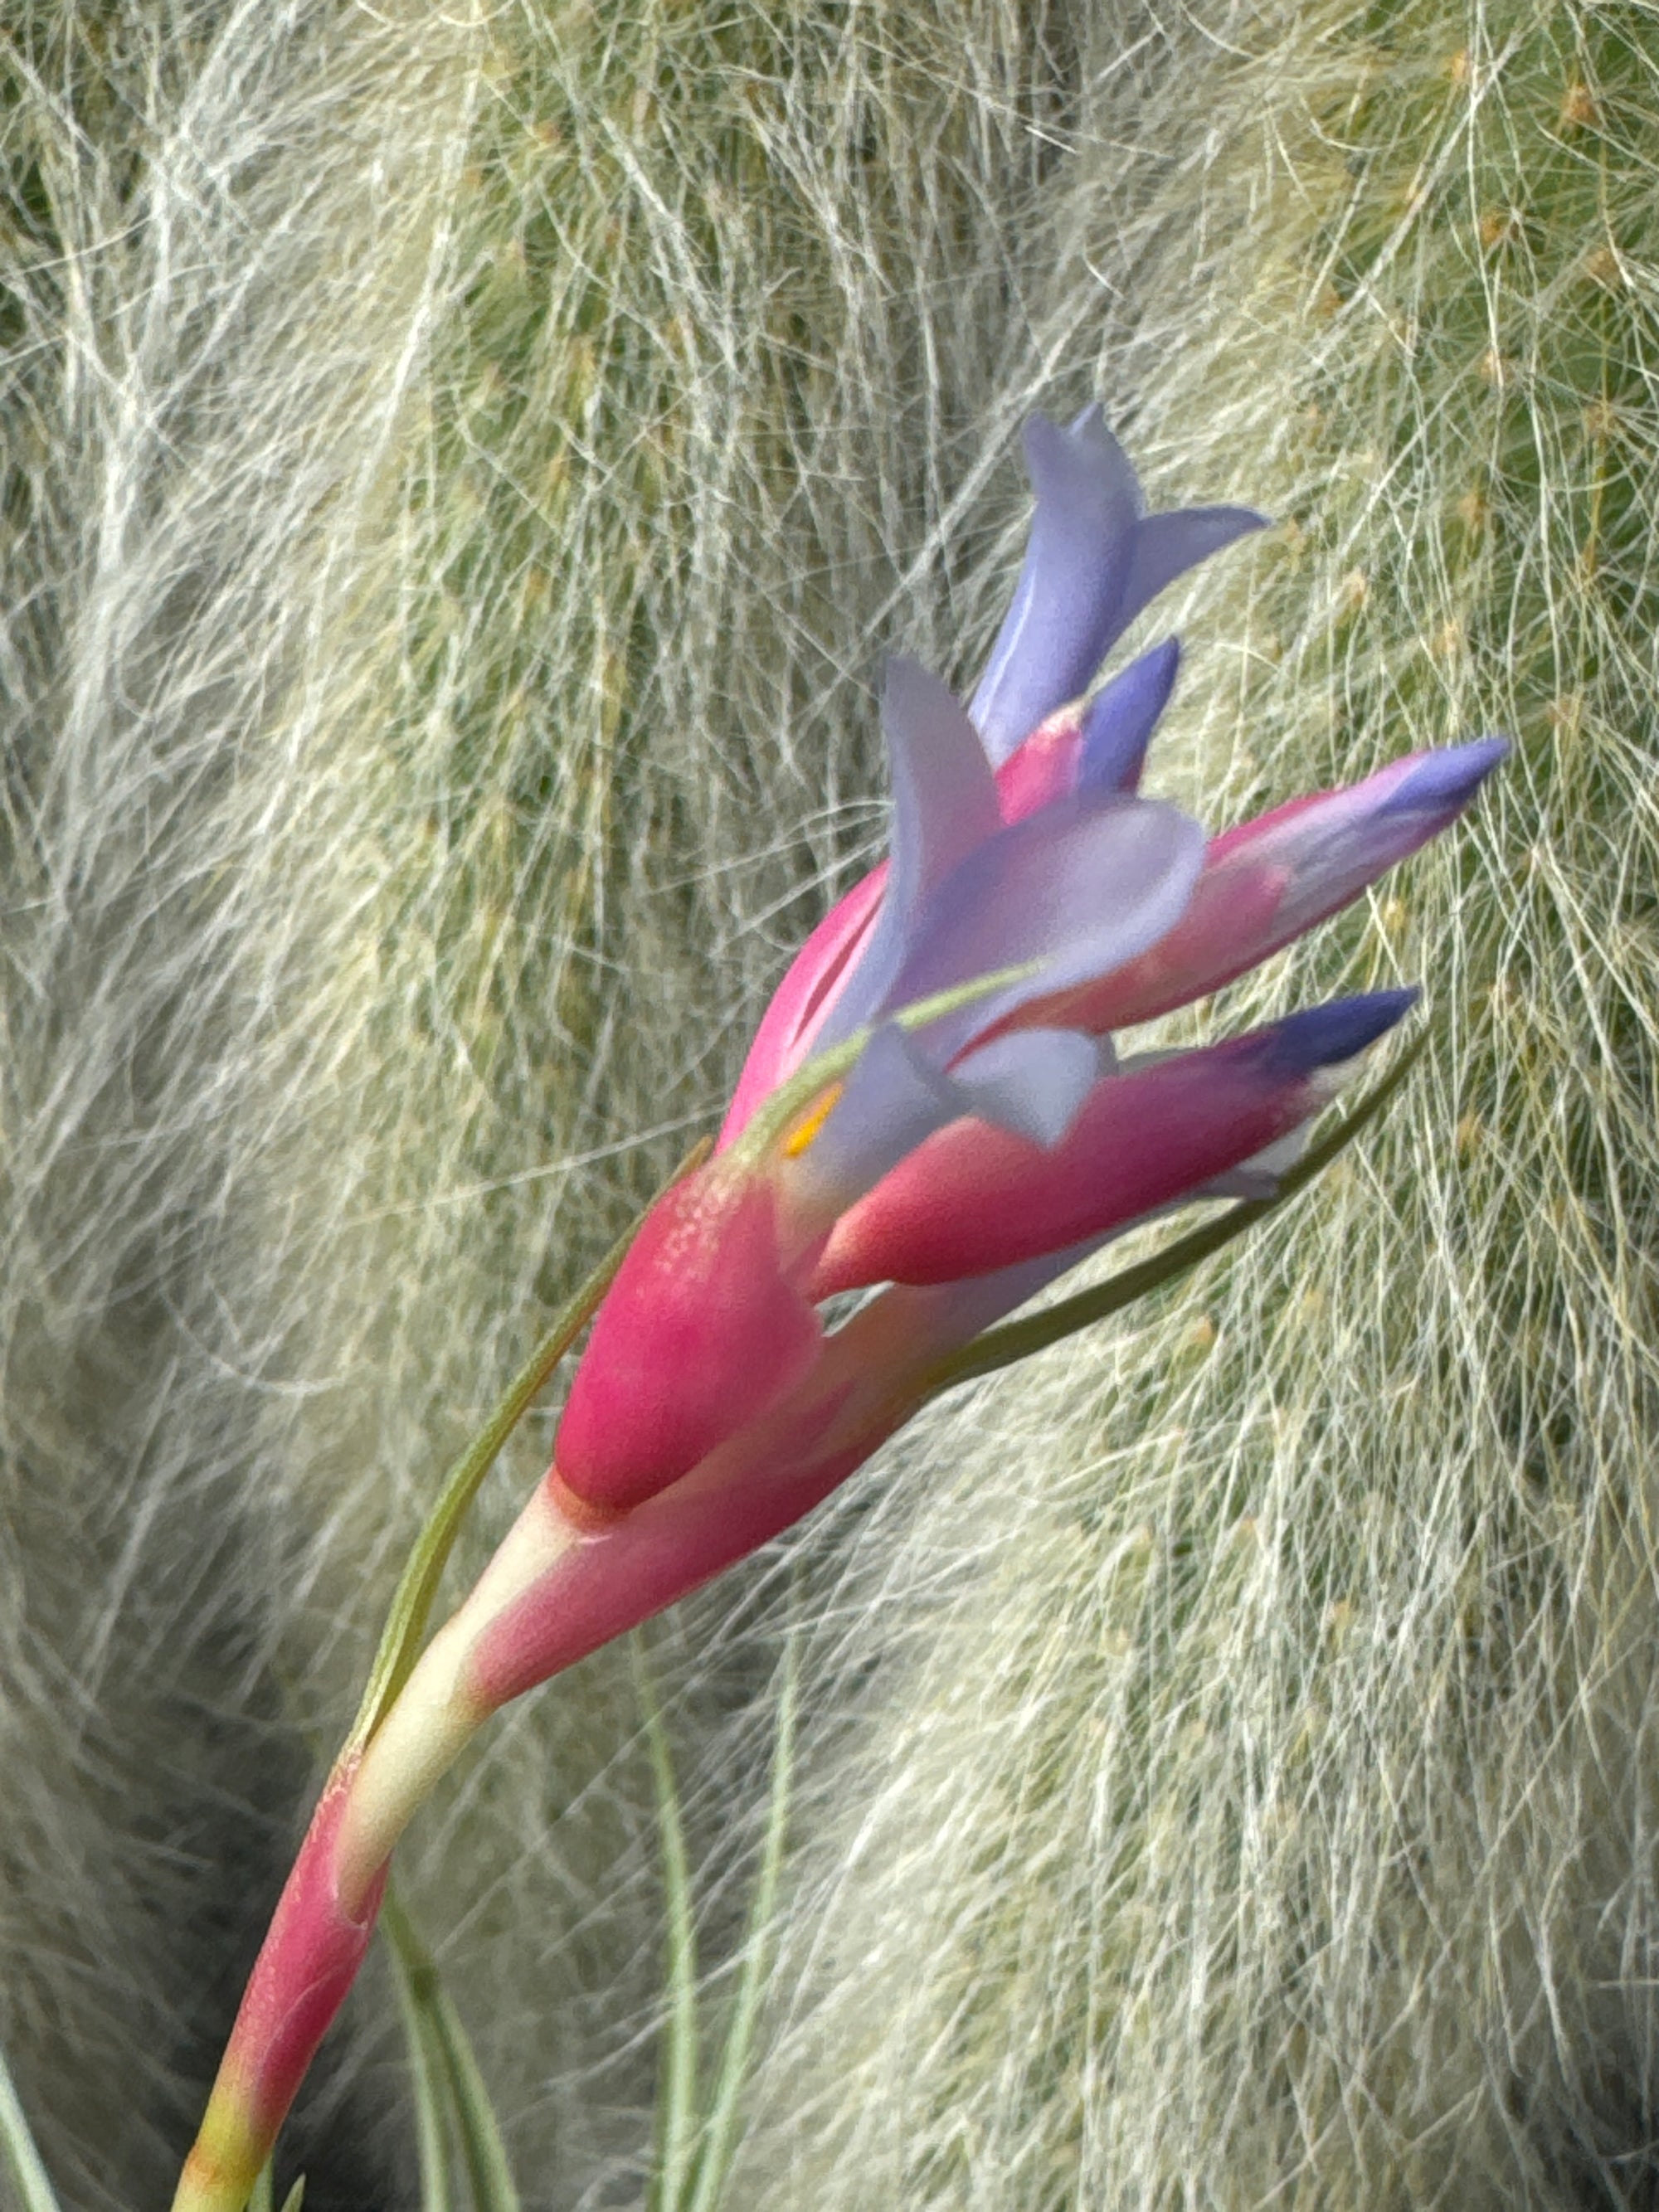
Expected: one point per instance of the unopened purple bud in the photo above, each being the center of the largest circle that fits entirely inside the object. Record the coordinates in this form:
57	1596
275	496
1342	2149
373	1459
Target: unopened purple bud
1118	721
1324	1036
1442	781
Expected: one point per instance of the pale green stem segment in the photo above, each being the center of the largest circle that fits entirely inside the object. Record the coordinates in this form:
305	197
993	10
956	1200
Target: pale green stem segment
693	2153
296	2196
438	1710
425	2059
411	1606
1019	1339
263	2198
445	2070
719	2129
23	2161
677	2103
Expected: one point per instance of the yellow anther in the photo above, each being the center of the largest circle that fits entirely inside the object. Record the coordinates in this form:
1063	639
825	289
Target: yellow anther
804	1130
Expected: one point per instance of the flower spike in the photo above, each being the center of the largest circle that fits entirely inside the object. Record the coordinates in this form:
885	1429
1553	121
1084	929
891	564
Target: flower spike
934	1111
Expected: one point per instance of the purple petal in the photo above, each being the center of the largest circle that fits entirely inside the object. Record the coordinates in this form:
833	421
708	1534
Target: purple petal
1324	1036
1335	843
1118	721
1167	545
893	1098
945	805
1076	890
1442	781
1031	1081
1066	605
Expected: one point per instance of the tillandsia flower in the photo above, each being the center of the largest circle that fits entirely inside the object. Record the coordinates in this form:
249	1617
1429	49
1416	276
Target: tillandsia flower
934	1111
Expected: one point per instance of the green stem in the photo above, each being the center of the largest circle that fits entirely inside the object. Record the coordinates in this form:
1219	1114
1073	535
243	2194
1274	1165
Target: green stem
719	2128
677	2100
412	1976
484	2152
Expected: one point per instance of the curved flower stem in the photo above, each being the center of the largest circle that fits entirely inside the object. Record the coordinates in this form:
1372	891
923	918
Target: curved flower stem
326	1913
677	2097
416	1715
439	1708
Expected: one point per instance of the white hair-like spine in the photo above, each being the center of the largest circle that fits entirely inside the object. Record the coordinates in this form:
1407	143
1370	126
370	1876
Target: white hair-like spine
462	471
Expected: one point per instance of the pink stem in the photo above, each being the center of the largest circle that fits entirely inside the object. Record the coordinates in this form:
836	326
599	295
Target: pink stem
307	1962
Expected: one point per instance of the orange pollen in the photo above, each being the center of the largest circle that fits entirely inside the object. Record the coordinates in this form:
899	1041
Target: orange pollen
804	1131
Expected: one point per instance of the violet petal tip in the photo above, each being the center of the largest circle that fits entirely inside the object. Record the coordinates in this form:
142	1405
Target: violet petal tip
1442	781
1118	721
1324	1036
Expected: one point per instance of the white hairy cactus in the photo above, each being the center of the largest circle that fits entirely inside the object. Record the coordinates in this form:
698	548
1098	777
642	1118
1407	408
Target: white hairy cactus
461	470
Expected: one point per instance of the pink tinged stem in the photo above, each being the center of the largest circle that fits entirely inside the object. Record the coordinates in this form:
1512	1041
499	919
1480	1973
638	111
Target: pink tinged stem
566	1578
326	1916
437	1710
973	1199
307	1964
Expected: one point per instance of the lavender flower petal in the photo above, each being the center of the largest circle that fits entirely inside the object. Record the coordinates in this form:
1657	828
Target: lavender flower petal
1031	1081
1324	1036
1118	721
1441	782
1064	611
1167	545
945	805
893	1098
1076	890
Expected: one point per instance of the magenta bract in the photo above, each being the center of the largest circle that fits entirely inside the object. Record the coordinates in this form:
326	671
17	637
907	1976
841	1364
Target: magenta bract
699	1335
